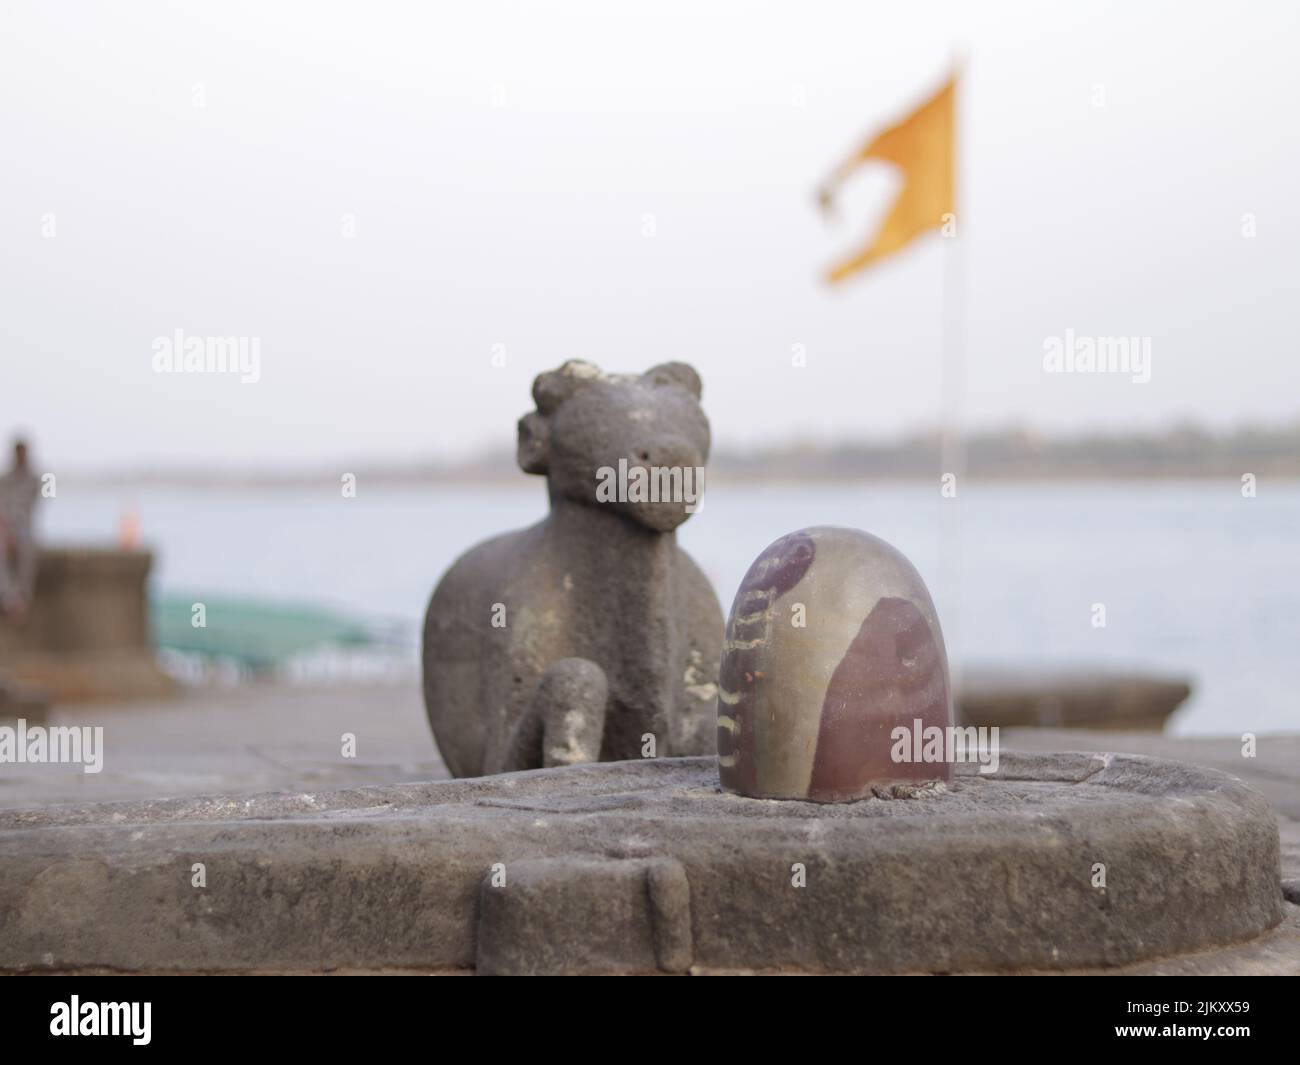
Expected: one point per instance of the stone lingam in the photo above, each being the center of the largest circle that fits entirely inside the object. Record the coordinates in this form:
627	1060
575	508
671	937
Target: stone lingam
590	636
833	660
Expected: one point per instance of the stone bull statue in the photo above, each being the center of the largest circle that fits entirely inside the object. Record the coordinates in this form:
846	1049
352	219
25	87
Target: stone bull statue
575	639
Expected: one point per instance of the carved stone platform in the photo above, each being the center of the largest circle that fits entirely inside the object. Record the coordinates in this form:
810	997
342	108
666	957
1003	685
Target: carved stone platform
647	866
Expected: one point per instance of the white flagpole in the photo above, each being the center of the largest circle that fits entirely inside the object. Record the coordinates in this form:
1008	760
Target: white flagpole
952	389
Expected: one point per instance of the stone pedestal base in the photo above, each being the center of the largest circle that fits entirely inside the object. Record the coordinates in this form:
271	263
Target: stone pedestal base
1057	862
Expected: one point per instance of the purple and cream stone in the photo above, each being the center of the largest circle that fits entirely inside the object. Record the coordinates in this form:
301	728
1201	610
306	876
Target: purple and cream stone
831	645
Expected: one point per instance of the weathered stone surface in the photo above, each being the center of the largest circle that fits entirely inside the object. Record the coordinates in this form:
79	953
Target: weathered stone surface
1273	769
832	644
634	917
995	875
598	580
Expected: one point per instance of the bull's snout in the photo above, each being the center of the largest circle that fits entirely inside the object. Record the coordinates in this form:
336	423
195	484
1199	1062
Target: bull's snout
670	454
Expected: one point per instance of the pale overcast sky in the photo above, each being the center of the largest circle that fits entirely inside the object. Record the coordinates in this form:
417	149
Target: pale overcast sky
189	166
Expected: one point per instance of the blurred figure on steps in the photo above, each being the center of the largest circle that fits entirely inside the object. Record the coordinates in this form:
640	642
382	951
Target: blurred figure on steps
20	488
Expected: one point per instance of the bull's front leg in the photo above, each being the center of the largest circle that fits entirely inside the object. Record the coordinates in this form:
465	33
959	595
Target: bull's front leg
564	721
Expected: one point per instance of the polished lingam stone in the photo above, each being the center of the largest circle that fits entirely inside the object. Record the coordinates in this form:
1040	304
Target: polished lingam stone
833	673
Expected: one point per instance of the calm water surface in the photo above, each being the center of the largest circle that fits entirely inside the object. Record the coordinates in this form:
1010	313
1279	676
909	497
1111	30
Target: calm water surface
1194	578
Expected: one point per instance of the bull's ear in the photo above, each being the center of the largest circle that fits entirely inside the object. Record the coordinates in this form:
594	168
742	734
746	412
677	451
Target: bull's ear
534	443
676	373
552	388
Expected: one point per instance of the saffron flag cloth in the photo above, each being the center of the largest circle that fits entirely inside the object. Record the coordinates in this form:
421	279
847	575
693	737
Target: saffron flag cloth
923	146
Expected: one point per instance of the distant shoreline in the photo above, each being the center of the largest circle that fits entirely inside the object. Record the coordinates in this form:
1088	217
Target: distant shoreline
520	481
1185	453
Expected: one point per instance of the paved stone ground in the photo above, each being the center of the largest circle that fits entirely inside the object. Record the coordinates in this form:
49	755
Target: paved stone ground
261	738
240	740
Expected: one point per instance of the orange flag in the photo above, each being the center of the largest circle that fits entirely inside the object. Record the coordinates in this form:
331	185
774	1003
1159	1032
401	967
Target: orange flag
922	146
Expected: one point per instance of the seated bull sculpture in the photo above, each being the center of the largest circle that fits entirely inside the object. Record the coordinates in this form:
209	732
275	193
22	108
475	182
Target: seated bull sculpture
590	636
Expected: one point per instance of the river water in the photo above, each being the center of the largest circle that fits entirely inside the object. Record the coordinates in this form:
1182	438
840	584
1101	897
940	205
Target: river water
1194	579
